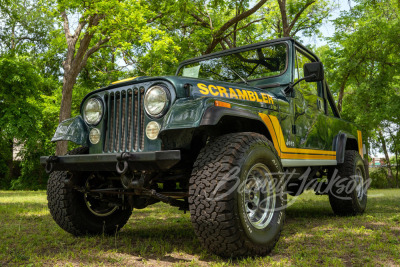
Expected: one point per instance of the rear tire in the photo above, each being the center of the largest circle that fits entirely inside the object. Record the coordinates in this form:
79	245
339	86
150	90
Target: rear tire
348	194
78	213
236	196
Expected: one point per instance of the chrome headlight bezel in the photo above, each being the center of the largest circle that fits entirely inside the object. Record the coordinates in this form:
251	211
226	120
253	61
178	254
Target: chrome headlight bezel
100	112
164	93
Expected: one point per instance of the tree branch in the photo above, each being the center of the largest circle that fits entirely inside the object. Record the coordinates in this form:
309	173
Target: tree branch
79	29
244	27
217	36
68	35
202	22
94	49
297	16
239	17
209	17
159	15
282	8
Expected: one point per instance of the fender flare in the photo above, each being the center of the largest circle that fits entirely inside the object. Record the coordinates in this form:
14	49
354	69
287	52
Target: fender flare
339	145
213	115
73	129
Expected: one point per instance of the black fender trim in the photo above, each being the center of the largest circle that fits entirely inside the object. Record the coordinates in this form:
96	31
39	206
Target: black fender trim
213	115
339	145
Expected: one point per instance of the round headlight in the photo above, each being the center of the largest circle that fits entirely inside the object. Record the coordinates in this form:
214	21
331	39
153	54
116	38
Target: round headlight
93	111
155	100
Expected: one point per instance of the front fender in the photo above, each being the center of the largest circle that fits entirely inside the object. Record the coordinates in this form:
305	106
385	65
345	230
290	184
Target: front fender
339	145
73	129
185	114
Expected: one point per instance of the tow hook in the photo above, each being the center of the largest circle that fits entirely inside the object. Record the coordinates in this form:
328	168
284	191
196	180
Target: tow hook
50	163
122	163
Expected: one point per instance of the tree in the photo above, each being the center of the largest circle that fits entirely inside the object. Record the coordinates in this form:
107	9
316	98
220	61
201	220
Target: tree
24	64
363	67
24	27
200	27
357	43
20	83
287	18
100	24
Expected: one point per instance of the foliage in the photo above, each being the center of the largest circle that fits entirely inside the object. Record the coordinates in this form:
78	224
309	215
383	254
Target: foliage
292	17
24	26
379	178
19	88
363	69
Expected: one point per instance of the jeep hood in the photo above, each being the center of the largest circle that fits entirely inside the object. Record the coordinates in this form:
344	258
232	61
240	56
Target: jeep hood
196	88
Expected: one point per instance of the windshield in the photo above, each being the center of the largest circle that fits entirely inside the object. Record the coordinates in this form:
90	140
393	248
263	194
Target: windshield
240	67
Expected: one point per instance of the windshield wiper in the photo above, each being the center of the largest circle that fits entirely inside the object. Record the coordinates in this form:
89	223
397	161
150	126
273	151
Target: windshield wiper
243	79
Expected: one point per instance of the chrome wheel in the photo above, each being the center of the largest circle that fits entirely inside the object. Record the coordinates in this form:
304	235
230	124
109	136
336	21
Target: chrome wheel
259	196
95	206
98	209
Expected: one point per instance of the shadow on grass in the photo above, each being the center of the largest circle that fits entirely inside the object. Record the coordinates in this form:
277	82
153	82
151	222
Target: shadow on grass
162	235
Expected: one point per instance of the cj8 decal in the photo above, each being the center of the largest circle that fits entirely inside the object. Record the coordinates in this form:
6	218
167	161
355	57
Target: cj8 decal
234	93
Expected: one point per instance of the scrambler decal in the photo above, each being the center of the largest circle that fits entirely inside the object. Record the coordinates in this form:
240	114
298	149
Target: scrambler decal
242	94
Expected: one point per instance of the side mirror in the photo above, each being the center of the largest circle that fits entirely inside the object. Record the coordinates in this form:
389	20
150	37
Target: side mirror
313	72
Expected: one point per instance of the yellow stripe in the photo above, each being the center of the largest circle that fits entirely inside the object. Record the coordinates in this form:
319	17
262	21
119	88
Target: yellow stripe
125	80
305	156
360	146
275	129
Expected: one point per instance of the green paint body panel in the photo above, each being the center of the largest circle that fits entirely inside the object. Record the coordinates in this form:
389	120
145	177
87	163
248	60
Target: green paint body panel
73	129
303	118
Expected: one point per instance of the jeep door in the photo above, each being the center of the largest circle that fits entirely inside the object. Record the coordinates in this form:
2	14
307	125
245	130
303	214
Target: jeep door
310	127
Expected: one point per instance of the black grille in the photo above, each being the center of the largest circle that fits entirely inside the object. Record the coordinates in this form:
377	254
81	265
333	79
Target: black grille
125	121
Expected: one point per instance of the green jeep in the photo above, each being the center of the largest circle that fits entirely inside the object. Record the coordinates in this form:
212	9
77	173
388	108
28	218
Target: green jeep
226	138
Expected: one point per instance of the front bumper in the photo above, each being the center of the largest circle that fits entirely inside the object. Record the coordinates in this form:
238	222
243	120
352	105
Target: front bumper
135	161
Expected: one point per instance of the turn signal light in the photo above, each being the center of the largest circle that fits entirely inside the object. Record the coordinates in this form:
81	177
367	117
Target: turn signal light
222	104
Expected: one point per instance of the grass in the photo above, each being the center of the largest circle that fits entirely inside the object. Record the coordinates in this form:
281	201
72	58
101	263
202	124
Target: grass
161	235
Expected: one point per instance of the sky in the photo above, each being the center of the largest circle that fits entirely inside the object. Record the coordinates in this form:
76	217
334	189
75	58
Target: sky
327	28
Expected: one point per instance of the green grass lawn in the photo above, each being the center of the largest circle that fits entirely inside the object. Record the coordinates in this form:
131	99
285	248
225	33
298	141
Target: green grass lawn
161	235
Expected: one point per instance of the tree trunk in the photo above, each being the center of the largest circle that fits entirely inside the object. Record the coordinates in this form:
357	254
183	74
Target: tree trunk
389	167
396	179
397	170
76	59
65	109
10	159
366	154
285	23
341	92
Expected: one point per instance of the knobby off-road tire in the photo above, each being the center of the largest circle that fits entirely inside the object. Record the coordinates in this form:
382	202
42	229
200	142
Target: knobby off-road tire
70	210
348	195
223	191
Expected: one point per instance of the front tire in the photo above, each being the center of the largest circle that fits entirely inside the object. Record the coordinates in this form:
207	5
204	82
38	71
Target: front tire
79	213
348	192
236	196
